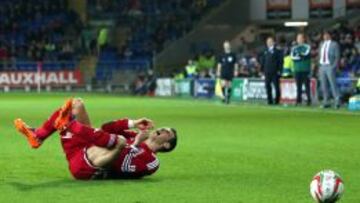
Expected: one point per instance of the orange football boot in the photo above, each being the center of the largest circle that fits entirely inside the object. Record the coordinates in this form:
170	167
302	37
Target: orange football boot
24	129
64	117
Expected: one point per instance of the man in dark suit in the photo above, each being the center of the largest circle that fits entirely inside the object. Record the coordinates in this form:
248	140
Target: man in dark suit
271	61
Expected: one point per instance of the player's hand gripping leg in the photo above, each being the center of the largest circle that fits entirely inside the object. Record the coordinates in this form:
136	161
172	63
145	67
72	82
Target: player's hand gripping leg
102	157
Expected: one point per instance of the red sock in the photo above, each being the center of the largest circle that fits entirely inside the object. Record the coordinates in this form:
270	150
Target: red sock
116	127
97	137
47	127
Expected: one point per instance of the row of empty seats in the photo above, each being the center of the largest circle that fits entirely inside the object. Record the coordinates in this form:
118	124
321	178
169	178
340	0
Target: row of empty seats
105	69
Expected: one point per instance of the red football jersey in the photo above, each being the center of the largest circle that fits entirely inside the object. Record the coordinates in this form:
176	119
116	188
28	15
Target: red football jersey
135	162
132	161
72	143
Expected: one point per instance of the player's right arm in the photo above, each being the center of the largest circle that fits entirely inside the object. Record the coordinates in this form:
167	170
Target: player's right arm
140	137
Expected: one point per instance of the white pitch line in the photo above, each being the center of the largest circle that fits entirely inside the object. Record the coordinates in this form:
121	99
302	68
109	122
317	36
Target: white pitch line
281	108
307	110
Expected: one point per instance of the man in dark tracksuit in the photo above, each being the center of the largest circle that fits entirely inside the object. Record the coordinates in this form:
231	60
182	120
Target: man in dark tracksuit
300	54
271	61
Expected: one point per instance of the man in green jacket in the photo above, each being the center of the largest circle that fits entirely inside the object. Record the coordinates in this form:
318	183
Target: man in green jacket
300	54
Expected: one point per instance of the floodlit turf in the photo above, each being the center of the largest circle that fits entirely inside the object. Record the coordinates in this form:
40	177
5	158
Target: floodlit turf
238	153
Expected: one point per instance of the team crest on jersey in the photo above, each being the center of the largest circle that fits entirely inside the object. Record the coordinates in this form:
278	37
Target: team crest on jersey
126	165
230	59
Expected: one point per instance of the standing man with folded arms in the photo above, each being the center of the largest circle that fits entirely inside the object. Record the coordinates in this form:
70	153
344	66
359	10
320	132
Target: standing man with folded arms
300	54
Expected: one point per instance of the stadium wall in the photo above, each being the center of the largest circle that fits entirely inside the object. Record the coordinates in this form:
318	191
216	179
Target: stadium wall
299	9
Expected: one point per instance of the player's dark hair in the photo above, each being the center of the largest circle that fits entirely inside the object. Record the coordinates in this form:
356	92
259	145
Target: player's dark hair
172	142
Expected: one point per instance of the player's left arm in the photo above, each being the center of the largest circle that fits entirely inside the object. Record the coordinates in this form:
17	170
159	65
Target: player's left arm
121	125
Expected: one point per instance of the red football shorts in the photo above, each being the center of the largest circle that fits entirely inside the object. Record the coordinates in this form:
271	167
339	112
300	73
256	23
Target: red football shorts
82	169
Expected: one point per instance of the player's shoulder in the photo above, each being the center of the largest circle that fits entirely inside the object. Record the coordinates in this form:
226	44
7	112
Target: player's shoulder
147	157
153	164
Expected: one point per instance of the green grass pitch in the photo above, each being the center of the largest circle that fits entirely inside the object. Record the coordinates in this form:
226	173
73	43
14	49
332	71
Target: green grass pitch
239	153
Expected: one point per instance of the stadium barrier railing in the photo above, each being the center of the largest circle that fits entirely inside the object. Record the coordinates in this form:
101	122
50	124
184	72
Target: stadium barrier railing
243	89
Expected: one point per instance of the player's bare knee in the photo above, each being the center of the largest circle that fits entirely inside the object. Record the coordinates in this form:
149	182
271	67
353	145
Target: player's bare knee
78	103
92	154
78	107
97	156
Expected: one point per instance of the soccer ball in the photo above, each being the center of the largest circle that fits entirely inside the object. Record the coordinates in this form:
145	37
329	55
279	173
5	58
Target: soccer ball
326	187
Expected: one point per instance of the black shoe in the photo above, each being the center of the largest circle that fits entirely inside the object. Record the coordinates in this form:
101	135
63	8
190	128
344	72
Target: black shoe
337	106
308	103
325	106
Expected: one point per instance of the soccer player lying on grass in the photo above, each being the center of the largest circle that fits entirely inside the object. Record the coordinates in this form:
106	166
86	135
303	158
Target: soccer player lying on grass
113	151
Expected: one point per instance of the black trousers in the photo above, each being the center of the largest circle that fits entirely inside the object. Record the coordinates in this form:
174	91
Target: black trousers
302	78
272	79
